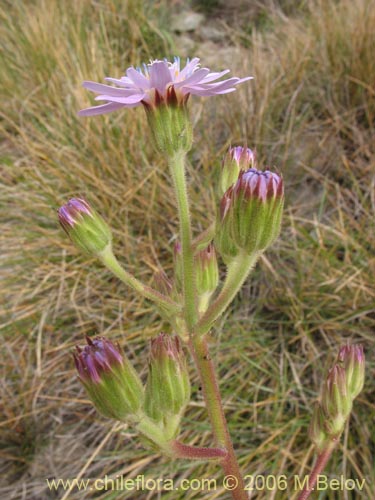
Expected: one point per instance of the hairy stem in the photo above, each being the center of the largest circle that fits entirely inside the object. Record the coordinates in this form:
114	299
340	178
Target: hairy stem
177	168
320	464
109	260
237	273
181	450
215	410
199	345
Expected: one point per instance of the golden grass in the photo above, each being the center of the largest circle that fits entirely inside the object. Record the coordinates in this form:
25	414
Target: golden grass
310	112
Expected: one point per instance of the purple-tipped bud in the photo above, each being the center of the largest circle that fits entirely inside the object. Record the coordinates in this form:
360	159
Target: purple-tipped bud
352	359
207	275
84	226
344	382
238	159
109	379
168	387
250	213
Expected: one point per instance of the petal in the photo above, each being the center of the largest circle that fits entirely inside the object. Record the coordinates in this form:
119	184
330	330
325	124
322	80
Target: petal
213	87
123	82
209	92
190	66
138	79
160	75
132	99
240	80
215	76
100	88
196	77
100	110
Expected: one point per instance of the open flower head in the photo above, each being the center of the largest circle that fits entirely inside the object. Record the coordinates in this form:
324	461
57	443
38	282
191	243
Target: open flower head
159	82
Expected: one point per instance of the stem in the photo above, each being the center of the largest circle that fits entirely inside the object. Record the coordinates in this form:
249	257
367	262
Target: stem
177	168
109	260
319	466
237	273
199	345
215	410
181	450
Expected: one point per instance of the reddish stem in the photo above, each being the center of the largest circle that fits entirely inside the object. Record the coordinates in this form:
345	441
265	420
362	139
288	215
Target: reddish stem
321	462
216	413
181	450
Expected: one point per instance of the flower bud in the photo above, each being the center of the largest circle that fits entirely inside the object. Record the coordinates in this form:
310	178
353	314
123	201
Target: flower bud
237	159
169	122
168	387
207	275
250	214
109	379
336	402
317	431
84	226
352	359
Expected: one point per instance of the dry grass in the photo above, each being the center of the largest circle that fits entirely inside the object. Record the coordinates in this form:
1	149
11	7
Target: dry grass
310	111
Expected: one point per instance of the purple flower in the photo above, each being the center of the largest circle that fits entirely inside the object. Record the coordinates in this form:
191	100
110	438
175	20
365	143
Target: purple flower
158	82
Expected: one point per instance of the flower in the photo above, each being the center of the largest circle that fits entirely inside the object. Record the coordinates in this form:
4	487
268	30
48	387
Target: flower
109	379
160	81
84	226
250	214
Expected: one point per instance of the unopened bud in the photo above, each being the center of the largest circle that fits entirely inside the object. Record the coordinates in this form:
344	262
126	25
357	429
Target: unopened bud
84	226
250	214
207	275
352	359
237	159
336	402
109	379
344	383
168	387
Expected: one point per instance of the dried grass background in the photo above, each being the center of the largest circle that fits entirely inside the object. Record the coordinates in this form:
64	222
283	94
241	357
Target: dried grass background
309	112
